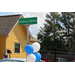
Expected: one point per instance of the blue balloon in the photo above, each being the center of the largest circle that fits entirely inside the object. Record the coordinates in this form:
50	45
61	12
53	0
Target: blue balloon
38	56
29	49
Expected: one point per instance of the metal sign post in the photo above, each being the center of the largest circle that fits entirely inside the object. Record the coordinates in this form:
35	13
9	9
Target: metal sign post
28	34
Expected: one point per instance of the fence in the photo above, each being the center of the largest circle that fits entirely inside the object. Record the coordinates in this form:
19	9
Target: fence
69	56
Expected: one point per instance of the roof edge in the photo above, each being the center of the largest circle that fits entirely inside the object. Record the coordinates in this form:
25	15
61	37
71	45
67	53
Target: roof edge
11	15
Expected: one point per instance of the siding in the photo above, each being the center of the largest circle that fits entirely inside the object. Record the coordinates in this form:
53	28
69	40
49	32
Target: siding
2	46
17	35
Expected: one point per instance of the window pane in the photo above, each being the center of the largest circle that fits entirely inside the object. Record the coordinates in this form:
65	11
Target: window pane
16	45
17	48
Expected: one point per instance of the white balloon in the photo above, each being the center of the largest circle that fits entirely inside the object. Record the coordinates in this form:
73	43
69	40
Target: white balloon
31	58
36	46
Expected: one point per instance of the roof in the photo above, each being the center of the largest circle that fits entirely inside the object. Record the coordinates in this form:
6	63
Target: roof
7	23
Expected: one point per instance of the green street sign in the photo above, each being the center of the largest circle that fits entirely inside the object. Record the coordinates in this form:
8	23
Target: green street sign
32	20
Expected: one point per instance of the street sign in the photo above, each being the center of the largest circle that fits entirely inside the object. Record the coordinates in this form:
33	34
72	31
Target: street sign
31	20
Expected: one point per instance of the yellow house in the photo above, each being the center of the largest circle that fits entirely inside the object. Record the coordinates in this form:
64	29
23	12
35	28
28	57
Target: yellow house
13	36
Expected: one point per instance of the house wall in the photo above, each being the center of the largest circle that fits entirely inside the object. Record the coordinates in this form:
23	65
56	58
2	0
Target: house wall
17	35
2	46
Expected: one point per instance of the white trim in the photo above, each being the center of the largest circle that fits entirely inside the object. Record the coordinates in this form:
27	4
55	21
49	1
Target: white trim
14	25
14	47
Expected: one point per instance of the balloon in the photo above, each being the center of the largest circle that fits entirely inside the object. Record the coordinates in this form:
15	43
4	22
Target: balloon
38	56
31	58
36	46
29	49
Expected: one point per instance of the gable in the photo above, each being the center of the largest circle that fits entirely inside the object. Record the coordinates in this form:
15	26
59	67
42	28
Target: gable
18	33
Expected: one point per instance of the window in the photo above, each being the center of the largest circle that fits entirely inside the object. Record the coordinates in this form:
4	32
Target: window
17	48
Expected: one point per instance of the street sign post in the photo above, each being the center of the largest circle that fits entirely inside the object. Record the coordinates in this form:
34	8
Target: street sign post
28	22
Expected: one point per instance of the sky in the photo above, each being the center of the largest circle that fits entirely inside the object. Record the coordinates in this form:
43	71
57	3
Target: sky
34	29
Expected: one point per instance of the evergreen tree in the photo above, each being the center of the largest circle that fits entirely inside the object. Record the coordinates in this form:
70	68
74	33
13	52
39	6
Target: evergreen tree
49	36
68	23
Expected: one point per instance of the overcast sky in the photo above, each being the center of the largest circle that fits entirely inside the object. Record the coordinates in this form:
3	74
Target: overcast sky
34	29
